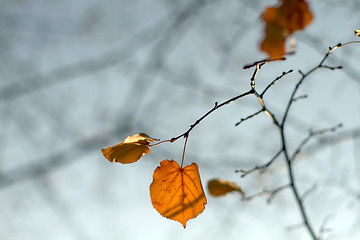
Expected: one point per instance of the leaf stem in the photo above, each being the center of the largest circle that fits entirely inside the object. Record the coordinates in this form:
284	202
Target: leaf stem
158	143
183	155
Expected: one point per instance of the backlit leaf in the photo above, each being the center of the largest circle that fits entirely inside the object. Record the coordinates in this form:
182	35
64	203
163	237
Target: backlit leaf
219	187
282	21
176	193
130	150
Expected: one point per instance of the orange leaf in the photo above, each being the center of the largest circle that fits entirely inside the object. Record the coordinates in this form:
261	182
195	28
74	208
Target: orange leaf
176	193
282	21
130	150
274	41
219	187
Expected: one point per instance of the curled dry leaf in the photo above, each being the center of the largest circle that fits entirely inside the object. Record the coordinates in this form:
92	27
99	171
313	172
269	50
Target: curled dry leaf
130	150
357	33
220	187
176	193
281	22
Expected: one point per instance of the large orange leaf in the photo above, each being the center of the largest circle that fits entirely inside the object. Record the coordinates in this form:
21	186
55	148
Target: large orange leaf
282	21
130	150
176	193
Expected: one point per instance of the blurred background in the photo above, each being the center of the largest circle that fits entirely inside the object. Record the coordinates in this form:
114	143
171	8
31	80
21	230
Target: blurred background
79	76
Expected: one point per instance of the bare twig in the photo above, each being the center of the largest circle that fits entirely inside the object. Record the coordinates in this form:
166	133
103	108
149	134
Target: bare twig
339	138
250	116
300	97
262	62
295	190
331	68
271	193
295	226
308	192
217	106
273	82
323	228
258	96
310	136
304	75
261	167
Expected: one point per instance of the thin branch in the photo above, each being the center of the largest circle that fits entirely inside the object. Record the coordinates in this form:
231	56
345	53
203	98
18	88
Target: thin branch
271	193
295	226
217	106
250	116
259	96
262	62
308	192
339	138
253	77
265	109
294	188
348	43
304	76
332	68
273	82
261	167
310	136
251	91
300	97
323	228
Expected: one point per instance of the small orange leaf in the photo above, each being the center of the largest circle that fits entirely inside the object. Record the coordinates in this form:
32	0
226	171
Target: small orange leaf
130	150
176	193
357	33
282	21
219	187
